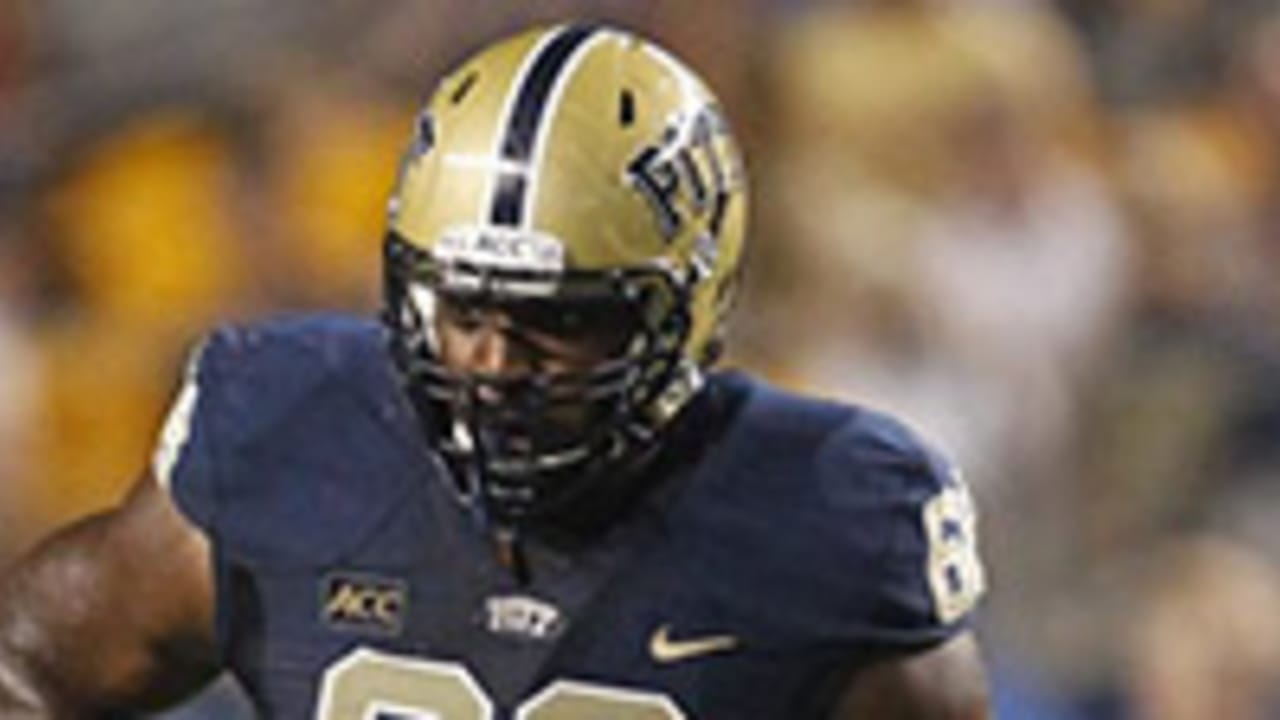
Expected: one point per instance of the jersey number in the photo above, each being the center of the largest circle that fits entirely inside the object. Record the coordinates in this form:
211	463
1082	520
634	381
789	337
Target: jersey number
956	578
370	685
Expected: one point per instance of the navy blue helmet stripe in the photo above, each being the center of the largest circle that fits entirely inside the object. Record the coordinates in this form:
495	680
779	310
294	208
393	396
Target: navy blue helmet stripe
511	189
508	199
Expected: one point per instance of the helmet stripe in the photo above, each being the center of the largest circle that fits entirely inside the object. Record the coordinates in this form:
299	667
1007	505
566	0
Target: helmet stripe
518	139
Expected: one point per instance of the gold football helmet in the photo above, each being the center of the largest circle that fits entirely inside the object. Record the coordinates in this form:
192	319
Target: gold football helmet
572	164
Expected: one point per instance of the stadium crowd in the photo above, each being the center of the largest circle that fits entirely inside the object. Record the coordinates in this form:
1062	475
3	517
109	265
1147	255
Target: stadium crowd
1047	233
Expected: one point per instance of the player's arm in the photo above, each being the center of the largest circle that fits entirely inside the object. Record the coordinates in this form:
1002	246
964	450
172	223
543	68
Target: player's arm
115	611
947	682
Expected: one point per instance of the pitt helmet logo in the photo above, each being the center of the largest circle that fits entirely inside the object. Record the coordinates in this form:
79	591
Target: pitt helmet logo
688	175
364	603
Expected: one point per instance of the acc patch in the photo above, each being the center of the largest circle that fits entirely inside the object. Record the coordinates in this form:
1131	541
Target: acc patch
364	603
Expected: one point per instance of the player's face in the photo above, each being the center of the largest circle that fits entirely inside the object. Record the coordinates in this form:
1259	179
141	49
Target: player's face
513	352
514	340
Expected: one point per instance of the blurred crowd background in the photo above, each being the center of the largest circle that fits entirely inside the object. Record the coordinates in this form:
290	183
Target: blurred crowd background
1046	233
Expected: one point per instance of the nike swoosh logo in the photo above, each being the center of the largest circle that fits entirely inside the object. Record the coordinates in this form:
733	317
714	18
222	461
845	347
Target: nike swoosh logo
665	650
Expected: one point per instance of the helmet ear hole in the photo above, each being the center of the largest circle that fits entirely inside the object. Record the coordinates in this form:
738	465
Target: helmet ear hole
464	87
626	108
426	137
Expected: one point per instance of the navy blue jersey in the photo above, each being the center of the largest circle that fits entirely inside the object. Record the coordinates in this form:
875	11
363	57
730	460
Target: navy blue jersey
791	541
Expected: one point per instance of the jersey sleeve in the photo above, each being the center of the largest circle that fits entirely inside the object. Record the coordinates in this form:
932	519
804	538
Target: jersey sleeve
185	460
286	444
907	534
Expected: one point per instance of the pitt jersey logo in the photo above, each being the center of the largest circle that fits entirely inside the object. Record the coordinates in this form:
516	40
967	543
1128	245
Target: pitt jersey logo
522	616
364	603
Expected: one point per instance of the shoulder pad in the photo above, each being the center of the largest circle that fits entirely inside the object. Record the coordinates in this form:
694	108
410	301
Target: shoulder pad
295	445
873	531
911	528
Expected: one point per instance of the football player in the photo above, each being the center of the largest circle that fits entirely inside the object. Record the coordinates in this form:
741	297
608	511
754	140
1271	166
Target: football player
523	494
